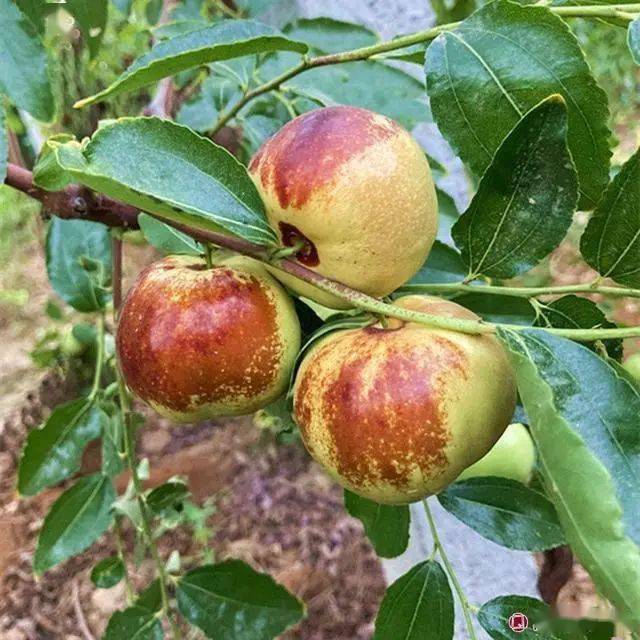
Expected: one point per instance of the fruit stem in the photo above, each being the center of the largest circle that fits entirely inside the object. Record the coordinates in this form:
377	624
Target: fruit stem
426	35
208	255
462	597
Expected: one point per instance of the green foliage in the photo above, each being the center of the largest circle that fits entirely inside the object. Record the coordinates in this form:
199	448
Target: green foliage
583	419
108	572
505	512
135	622
219	42
230	600
610	241
167	496
166	238
352	83
173	173
511	91
386	526
53	452
79	262
479	90
494	618
444	264
24	64
92	20
75	521
499	308
4	144
417	606
580	313
525	200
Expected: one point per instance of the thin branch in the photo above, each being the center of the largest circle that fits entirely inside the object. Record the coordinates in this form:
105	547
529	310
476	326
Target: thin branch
419	37
521	292
462	596
77	607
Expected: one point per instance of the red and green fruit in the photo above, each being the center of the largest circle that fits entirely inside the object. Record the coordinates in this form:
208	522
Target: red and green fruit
396	413
197	342
354	189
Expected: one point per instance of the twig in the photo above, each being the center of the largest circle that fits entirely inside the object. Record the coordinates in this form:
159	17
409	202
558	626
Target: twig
462	597
77	607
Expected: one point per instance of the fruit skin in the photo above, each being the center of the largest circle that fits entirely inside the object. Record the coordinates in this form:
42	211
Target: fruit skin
513	457
196	343
357	188
396	414
632	365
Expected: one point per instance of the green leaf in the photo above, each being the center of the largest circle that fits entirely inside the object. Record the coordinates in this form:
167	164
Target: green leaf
327	35
47	173
448	213
92	20
169	240
76	520
167	496
222	41
525	200
134	623
151	597
498	308
505	512
230	600
169	170
611	241
444	264
123	6
113	446
633	38
177	28
494	618
417	606
70	244
502	61
452	10
584	420
201	112
276	416
35	11
53	452
108	572
574	312
24	67
386	526
356	83
4	144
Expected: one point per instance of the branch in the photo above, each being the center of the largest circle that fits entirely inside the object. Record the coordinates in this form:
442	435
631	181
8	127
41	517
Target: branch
426	35
76	202
521	292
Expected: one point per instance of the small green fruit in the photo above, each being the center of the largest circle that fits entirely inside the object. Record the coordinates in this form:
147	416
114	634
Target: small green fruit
513	456
632	365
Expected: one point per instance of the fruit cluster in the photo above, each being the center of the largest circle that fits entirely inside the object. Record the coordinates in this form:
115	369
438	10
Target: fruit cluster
394	411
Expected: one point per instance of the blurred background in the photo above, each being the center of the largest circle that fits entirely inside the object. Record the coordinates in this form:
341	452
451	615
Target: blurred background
256	495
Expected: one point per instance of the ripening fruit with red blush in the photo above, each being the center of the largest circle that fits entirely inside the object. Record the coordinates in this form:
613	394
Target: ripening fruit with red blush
355	190
196	342
396	413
